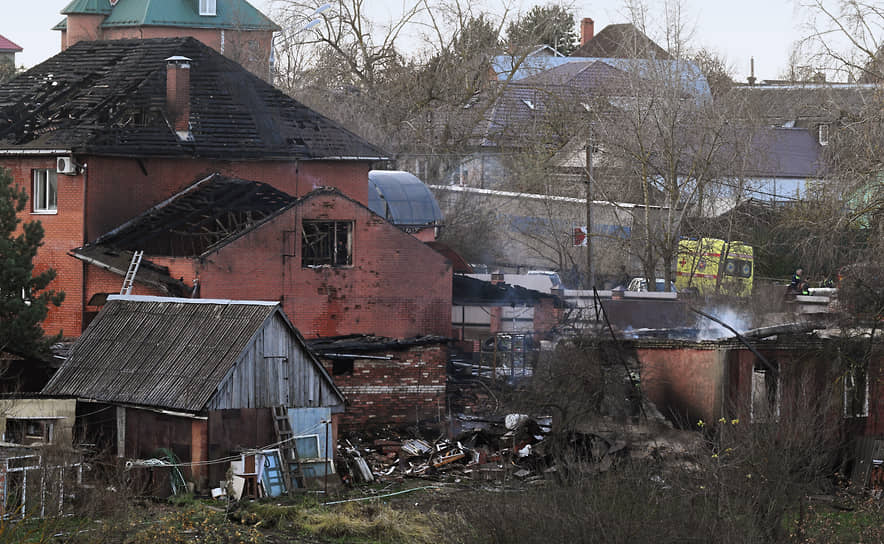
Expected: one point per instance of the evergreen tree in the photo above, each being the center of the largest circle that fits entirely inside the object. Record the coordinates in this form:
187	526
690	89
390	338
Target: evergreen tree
550	25
24	300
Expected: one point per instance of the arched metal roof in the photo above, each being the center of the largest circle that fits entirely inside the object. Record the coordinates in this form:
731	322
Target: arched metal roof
402	199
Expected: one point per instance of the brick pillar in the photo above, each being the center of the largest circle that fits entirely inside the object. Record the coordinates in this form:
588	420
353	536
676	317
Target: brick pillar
587	30
178	92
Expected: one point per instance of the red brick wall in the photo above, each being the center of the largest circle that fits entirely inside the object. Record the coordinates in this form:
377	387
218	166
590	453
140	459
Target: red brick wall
397	286
119	189
62	231
683	383
546	316
81	27
114	190
408	388
710	383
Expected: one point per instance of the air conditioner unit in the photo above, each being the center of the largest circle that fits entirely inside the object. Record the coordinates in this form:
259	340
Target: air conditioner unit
66	165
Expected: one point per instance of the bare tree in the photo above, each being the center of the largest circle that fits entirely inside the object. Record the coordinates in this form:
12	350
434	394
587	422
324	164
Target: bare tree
845	38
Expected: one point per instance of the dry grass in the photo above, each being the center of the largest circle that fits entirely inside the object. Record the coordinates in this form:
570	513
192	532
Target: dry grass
346	522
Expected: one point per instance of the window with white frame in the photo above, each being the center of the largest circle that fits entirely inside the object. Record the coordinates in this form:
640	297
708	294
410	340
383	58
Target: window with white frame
856	392
823	131
44	194
207	7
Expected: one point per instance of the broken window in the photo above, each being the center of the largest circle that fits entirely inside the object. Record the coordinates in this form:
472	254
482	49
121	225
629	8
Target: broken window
856	392
45	191
765	393
29	431
342	366
327	243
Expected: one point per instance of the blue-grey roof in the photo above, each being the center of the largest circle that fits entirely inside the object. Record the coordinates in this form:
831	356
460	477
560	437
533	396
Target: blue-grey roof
785	153
521	68
402	198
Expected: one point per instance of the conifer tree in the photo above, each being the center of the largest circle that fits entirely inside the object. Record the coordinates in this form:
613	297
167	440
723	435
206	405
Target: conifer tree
24	299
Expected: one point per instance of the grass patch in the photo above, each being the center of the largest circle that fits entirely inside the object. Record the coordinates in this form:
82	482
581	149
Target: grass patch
196	525
865	525
349	522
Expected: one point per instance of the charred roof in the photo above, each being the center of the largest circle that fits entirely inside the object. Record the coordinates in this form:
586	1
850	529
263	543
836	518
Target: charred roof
468	291
109	98
208	214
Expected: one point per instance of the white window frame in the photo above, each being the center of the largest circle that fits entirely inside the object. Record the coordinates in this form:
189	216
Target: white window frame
44	191
823	134
309	438
849	391
208	8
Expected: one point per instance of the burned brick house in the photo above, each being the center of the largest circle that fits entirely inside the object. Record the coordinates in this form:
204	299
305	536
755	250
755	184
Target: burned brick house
707	380
104	131
335	267
230	189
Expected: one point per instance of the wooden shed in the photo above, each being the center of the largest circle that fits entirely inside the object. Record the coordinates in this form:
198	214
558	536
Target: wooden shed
197	377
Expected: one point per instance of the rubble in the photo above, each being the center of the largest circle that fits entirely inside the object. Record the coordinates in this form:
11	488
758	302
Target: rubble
497	448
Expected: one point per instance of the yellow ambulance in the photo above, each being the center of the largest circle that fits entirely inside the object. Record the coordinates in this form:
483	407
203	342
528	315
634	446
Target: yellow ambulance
711	266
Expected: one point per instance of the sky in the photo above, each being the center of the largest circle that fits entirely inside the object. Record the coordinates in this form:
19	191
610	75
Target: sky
763	29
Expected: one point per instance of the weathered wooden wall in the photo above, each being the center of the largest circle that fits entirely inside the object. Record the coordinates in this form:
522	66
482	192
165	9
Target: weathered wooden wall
273	370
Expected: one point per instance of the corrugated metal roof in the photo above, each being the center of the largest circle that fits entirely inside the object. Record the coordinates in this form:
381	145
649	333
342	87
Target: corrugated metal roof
234	14
402	198
88	7
160	352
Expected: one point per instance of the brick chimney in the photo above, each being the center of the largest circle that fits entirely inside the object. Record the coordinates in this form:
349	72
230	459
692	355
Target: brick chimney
178	94
587	30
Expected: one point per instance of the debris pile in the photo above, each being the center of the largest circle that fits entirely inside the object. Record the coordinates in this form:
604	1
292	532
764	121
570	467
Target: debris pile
514	446
486	448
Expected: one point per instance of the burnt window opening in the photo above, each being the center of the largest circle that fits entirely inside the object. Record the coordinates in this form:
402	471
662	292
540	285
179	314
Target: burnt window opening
856	392
327	243
342	366
765	393
29	431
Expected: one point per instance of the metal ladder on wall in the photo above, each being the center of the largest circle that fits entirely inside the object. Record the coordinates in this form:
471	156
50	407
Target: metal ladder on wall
129	280
290	462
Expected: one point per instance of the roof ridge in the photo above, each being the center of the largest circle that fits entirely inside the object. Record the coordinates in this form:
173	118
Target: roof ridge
177	300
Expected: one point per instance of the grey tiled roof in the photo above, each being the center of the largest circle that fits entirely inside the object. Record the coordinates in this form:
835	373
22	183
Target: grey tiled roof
805	105
621	41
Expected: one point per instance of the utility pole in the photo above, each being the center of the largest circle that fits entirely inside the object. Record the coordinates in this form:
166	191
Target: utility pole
590	270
